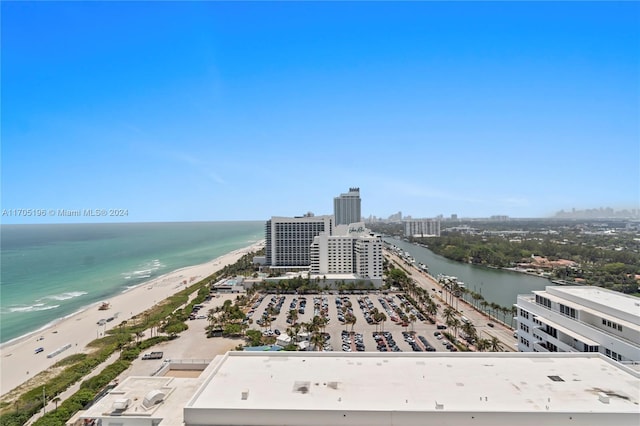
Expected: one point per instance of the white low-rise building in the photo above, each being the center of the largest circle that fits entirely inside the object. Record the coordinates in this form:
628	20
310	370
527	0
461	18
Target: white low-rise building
324	388
421	228
376	389
580	319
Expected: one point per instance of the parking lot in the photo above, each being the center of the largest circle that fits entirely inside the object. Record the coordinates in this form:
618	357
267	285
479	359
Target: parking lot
367	336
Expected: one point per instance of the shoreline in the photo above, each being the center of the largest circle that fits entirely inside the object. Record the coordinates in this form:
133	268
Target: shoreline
18	360
125	290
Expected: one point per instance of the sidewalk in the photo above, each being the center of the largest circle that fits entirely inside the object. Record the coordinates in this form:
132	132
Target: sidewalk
51	406
479	319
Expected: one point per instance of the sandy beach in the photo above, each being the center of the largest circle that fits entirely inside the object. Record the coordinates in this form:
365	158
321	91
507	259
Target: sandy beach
19	360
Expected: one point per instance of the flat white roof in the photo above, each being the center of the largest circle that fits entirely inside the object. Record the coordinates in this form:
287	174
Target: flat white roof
412	382
176	390
602	296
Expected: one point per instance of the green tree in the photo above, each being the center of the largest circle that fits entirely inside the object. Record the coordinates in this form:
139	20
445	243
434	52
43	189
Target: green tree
495	345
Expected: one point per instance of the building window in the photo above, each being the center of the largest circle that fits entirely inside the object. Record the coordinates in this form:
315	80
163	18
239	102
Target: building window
543	301
612	324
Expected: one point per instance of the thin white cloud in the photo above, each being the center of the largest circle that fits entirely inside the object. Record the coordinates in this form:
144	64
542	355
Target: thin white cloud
197	164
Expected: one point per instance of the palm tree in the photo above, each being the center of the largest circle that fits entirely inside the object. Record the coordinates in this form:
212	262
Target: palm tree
495	344
454	323
382	318
139	335
317	340
351	319
470	331
482	345
412	320
266	322
484	305
317	322
494	307
504	310
448	314
432	309
293	316
476	297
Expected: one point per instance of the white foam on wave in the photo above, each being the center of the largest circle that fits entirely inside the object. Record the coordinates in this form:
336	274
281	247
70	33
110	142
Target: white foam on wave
32	308
147	269
64	296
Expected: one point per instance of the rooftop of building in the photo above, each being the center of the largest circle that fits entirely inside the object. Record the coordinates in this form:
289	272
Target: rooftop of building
616	300
597	297
165	399
408	382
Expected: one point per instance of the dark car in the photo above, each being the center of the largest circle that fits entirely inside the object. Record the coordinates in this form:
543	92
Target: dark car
490	324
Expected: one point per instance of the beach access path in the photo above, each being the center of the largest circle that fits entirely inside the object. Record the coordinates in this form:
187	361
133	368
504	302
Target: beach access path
20	363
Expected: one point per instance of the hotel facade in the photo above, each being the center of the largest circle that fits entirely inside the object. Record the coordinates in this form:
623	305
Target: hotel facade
288	239
352	250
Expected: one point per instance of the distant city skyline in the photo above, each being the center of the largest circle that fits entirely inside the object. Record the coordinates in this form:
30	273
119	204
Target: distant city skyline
209	111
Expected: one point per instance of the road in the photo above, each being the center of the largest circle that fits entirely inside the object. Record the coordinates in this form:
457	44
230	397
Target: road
479	319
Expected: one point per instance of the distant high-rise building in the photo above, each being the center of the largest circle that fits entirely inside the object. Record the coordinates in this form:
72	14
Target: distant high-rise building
395	217
422	228
288	239
346	207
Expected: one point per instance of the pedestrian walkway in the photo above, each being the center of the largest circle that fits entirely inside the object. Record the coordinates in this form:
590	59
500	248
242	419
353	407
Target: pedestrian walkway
51	406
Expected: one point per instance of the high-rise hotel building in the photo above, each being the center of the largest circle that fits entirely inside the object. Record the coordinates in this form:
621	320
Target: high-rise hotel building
288	239
346	207
352	250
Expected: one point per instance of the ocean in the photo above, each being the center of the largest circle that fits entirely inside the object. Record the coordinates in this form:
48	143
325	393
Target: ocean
48	272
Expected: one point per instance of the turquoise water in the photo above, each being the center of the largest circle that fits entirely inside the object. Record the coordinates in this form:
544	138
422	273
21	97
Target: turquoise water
48	272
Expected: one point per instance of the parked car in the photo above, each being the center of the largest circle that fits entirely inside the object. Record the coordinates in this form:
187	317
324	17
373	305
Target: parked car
490	324
38	350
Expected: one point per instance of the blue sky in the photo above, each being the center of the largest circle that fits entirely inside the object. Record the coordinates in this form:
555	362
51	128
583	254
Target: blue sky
241	111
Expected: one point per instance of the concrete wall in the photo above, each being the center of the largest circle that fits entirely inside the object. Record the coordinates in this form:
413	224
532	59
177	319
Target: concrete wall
293	417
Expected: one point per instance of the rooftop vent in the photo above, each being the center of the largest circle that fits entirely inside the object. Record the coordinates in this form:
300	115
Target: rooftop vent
245	394
603	397
556	378
332	385
121	404
152	398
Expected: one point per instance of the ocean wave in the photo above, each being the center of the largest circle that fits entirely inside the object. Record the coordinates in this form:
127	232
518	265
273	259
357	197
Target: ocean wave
32	308
64	296
147	270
